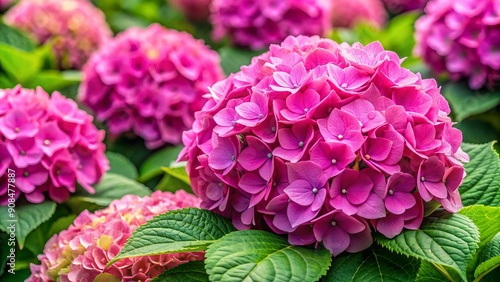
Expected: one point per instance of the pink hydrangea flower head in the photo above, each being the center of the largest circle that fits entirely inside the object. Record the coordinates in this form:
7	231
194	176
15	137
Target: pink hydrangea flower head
256	24
401	6
81	252
348	13
5	4
49	143
196	10
65	24
320	140
461	38
149	81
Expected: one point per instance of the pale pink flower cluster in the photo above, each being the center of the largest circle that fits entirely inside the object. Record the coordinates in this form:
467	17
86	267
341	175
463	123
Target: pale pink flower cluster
320	141
348	13
462	38
49	143
196	10
75	28
81	252
258	23
149	81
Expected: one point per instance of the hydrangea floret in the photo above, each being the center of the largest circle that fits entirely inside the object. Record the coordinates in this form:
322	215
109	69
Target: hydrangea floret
349	13
461	38
49	143
258	23
65	24
322	141
195	10
149	82
81	252
401	6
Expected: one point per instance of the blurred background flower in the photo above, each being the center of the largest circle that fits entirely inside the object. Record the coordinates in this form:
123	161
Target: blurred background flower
348	13
75	28
149	81
49	143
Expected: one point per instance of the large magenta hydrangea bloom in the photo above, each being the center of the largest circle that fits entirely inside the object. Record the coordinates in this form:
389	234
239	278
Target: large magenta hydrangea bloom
75	28
150	82
49	143
81	252
401	6
462	38
258	23
319	141
348	13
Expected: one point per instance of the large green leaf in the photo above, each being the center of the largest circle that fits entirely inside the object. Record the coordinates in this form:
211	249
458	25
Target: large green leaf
193	271
448	241
489	258
51	80
429	272
374	264
163	158
482	183
255	255
174	179
465	102
18	64
487	220
112	187
15	38
176	231
119	164
25	218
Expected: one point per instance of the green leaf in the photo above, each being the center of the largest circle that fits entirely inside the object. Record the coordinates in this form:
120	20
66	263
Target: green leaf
374	264
13	37
61	224
177	172
121	165
193	271
232	59
26	218
477	131
163	158
482	183
447	241
183	230
20	65
489	258
466	102
51	80
5	82
487	220
430	273
171	183
256	255
4	251
112	187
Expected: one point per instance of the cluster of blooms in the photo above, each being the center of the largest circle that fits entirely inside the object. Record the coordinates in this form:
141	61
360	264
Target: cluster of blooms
196	10
75	28
348	13
81	252
462	38
401	6
258	23
149	81
319	141
49	143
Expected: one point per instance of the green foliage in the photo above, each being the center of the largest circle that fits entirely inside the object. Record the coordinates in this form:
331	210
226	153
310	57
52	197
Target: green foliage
121	165
13	37
374	264
193	271
489	258
449	242
112	187
152	166
466	102
184	230
232	59
255	255
175	178
481	185
26	218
